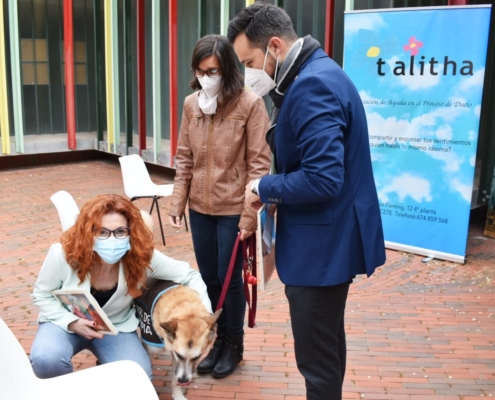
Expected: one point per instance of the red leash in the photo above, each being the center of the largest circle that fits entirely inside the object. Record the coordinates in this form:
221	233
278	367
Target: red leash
249	271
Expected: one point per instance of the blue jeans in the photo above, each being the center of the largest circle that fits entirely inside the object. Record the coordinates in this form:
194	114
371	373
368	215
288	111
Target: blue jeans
213	240
53	349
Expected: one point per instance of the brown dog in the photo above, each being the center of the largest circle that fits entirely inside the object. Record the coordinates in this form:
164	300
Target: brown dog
181	321
188	331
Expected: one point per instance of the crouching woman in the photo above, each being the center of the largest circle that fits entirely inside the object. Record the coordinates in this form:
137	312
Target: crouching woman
109	252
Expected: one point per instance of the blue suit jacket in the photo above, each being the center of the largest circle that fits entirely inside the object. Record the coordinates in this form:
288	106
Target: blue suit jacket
329	227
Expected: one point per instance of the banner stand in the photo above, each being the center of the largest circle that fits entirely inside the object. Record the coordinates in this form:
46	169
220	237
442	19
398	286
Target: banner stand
420	74
425	252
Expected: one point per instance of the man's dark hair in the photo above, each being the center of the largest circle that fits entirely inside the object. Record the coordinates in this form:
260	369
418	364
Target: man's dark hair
232	79
260	22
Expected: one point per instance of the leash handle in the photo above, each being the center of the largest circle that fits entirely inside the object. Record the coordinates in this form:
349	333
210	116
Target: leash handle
249	268
230	269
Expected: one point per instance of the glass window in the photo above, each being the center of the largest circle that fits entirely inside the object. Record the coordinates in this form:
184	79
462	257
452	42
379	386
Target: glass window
308	18
42	73
80	63
27	53
80	51
81	77
41	50
34	57
28	73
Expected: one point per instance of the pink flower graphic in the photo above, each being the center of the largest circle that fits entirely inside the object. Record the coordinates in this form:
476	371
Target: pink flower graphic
413	46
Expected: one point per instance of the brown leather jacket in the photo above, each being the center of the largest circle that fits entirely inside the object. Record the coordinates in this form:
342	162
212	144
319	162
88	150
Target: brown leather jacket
217	155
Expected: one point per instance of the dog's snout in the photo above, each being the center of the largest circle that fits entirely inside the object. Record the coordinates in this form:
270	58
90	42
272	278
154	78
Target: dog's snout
183	379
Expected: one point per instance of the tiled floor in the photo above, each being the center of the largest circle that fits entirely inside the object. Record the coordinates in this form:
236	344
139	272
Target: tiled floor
415	331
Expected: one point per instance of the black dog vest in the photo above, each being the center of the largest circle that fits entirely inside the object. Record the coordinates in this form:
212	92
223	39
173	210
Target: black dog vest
145	304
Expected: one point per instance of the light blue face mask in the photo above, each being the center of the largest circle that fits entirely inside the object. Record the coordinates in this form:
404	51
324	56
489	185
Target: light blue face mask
112	249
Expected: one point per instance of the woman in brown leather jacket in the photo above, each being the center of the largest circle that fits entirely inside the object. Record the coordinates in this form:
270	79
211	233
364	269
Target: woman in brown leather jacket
221	148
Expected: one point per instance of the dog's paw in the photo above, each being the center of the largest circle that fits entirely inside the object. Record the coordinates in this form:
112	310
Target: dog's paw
177	393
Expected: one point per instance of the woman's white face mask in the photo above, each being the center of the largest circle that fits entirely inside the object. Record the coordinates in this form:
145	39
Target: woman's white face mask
208	97
258	80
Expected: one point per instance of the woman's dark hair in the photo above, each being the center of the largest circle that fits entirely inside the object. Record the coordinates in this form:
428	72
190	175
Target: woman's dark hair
232	79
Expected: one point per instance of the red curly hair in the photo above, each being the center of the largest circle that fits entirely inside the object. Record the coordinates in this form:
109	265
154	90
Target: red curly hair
78	240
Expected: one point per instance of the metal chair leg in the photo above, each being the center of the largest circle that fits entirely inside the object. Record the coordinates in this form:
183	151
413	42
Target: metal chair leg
155	200
185	221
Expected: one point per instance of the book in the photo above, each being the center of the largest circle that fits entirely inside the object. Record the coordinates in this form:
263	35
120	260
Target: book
82	304
265	244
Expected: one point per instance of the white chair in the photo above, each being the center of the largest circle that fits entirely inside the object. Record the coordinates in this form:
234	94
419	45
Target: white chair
138	184
117	380
66	207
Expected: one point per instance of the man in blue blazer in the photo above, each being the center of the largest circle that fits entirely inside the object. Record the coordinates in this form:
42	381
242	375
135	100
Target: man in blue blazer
328	220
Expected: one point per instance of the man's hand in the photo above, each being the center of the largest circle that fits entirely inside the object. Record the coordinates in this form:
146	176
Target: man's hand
85	328
176	222
251	199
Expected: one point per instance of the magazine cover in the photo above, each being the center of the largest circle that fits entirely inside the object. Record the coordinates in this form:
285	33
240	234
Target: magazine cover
81	303
265	244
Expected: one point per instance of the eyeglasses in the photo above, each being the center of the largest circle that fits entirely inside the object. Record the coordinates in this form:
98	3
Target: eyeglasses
119	233
199	73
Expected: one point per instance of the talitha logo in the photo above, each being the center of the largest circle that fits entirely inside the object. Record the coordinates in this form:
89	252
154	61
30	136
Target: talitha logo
431	67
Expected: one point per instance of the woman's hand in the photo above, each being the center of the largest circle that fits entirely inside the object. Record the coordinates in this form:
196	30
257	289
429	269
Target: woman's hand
175	221
85	328
245	234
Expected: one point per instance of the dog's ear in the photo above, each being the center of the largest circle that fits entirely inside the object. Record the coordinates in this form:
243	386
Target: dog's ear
212	319
170	327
